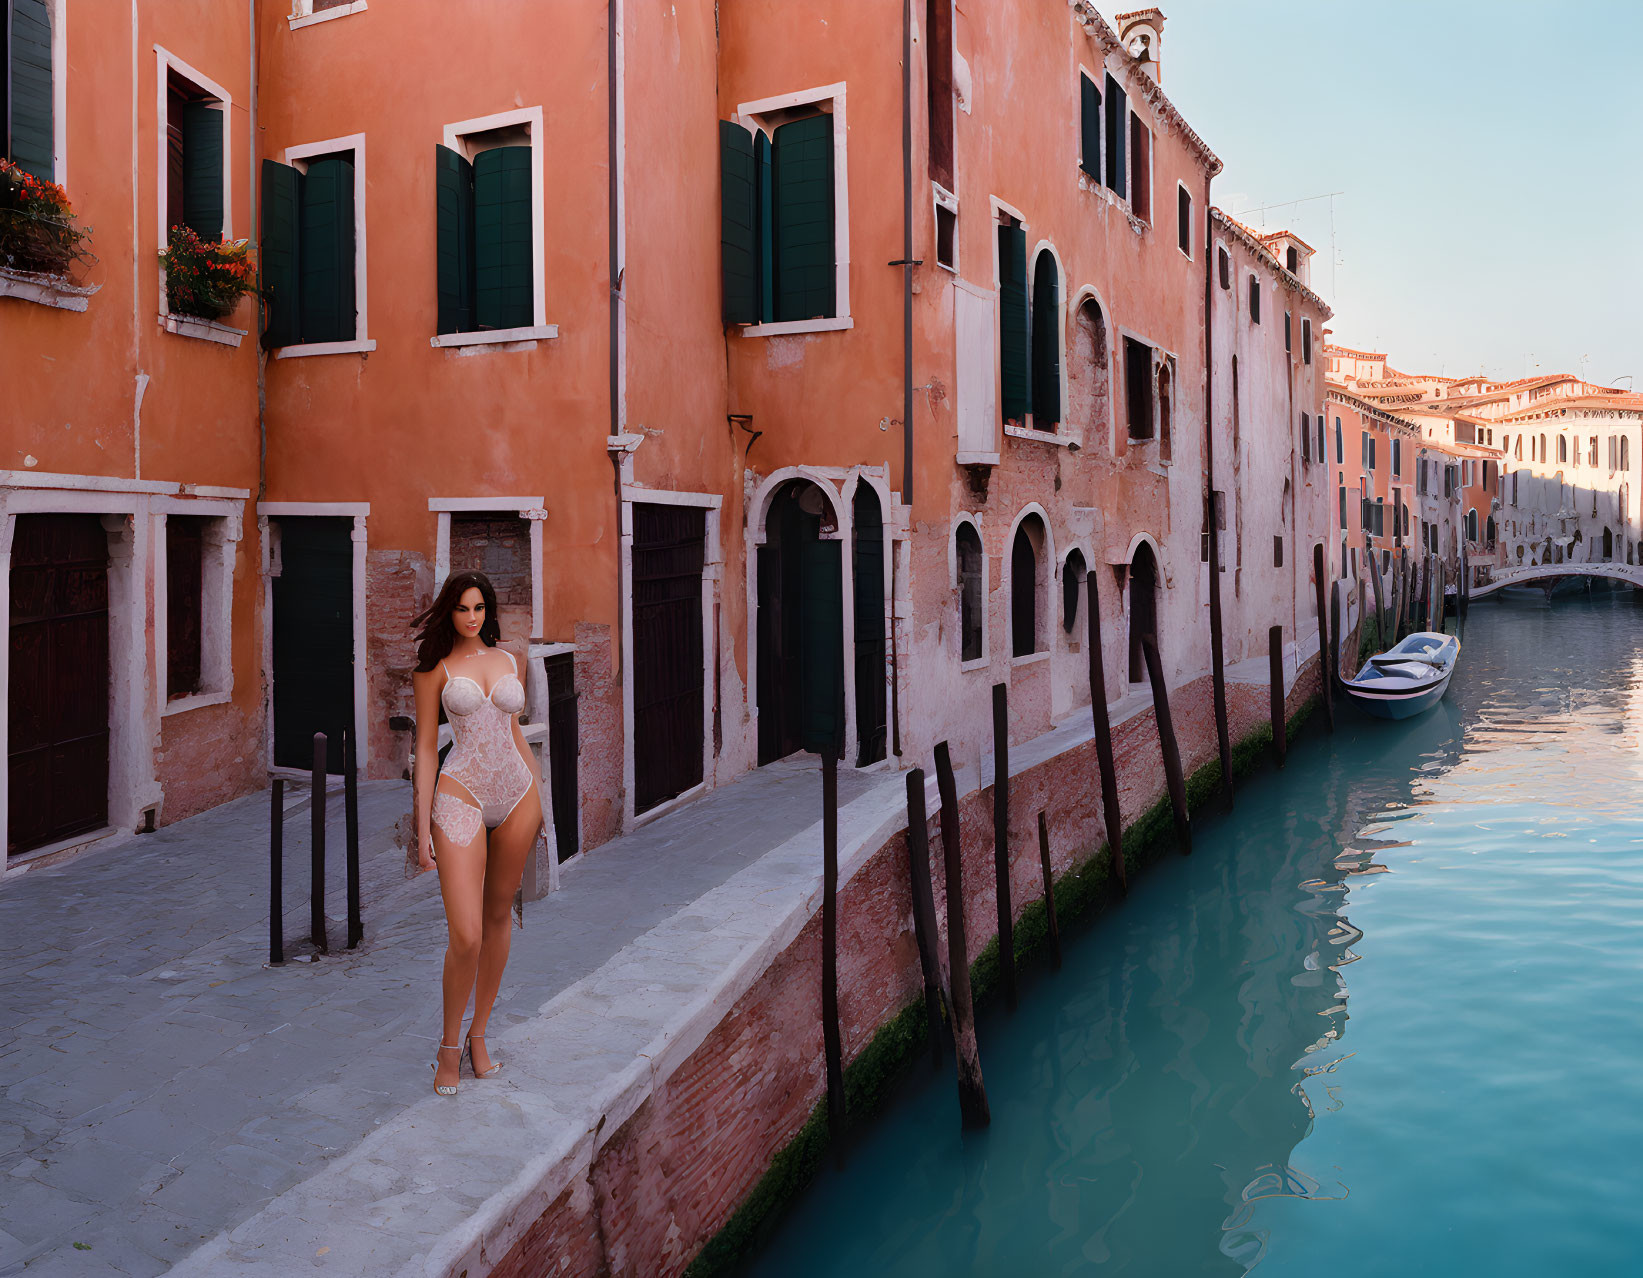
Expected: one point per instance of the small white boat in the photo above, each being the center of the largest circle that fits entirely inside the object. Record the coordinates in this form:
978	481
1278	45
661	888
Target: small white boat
1403	681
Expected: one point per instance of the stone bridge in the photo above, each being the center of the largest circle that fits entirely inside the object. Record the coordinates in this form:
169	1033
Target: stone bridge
1545	574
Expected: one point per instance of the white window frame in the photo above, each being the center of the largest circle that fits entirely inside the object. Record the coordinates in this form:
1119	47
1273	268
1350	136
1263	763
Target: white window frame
942	198
361	342
1192	222
303	15
218	553
1096	76
165	63
1058	434
747	115
1130	113
1045	565
454	137
526	508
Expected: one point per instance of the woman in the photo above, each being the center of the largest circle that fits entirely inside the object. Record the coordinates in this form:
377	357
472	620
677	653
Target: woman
478	817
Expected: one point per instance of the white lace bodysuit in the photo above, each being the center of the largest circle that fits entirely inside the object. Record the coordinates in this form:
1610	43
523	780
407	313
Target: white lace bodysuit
485	758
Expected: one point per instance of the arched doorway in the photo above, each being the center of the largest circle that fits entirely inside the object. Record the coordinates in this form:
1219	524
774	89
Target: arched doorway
1088	407
800	626
1608	545
867	568
1027	559
1143	607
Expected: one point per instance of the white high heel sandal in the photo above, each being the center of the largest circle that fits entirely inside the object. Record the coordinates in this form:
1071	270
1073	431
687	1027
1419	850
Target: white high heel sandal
439	1088
495	1066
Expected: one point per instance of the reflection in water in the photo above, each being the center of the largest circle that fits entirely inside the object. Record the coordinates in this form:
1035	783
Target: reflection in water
1184	1098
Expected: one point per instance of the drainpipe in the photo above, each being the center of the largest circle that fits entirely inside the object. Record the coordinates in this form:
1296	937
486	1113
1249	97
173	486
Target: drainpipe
613	17
256	238
1217	659
906	349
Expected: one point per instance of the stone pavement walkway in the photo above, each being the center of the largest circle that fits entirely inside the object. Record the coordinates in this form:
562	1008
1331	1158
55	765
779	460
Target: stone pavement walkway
170	1100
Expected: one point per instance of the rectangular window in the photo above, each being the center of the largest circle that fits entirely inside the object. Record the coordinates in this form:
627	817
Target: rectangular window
487	192
1287	339
1306	341
312	246
1278	552
28	102
1380	516
1138	387
184	591
1183	220
1397	456
1592	456
781	196
1117	111
1140	169
1372	442
1089	130
1254	300
1343	505
1306	437
1340	444
946	230
1224	266
196	139
1014	324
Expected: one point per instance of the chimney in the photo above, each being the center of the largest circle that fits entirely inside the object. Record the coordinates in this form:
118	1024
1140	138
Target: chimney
1141	32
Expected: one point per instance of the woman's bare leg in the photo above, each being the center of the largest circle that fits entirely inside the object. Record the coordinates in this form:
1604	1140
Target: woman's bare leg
511	843
462	884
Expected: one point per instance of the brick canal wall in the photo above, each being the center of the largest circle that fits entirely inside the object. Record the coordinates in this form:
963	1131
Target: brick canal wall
723	1141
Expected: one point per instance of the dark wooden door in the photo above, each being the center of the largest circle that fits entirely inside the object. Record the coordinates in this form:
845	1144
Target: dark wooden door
58	708
564	746
868	578
800	628
669	549
313	628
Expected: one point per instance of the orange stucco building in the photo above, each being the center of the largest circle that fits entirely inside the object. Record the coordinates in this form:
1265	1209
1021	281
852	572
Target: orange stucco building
775	431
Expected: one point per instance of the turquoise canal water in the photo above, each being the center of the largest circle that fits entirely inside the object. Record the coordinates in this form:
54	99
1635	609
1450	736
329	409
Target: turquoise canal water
1387	1019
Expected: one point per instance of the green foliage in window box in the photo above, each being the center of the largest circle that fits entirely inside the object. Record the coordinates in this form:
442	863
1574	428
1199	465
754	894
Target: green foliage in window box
206	278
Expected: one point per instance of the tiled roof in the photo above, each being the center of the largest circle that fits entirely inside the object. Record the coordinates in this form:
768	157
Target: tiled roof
1252	242
1332	349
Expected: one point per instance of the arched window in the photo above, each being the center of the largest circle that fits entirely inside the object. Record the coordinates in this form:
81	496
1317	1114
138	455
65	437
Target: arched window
1143	607
1625	452
1563	448
968	544
1026	553
1089	407
1543	448
1472	525
1046	339
1517	449
1608	545
1072	586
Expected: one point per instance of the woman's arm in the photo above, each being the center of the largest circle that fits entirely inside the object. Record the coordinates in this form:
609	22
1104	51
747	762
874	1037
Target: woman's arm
426	684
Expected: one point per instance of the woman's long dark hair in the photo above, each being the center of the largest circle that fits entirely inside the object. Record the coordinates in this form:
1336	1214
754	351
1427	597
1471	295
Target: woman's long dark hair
437	635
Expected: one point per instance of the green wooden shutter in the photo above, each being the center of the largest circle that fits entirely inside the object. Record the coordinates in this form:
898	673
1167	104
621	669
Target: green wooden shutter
326	261
202	129
802	184
1015	386
1089	148
32	143
504	288
1046	331
281	215
738	225
765	203
821	645
454	181
1117	113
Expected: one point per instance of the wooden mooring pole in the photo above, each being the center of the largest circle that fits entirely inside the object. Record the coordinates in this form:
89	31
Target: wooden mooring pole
1001	840
1323	635
1166	743
1110	811
316	842
830	950
972	1092
1332	674
924	907
1275	678
1049	890
1380	605
1440	603
276	872
350	812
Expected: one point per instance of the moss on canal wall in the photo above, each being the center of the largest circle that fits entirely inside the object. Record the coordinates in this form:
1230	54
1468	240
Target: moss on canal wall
1081	894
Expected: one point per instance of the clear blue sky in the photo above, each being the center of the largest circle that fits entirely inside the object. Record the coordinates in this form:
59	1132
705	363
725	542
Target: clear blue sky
1490	155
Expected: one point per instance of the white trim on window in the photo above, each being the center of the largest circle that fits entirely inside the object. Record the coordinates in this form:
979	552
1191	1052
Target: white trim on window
303	15
531	118
218	552
59	93
165	63
354	142
496	336
985	659
942	198
1192	222
747	114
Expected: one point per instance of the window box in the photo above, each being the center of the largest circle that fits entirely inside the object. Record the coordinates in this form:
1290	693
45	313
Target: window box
47	290
204	329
